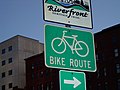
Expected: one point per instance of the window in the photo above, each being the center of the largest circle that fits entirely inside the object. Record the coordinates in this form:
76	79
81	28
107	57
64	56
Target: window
118	84
47	72
41	74
116	52
10	85
89	76
33	66
114	39
40	87
118	68
99	86
37	75
3	87
10	72
3	62
10	60
33	76
10	48
3	74
51	84
105	74
48	86
97	57
106	86
98	73
3	51
33	88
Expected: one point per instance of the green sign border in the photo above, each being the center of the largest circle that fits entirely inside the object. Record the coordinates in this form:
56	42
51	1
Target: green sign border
73	73
65	67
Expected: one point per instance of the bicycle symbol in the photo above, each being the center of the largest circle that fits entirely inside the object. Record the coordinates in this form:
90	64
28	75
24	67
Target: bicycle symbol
59	45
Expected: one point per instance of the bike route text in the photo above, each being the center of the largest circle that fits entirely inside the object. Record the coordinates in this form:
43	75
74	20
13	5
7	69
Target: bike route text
74	63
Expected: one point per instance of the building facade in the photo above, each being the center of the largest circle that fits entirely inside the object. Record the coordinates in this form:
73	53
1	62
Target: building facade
12	65
38	76
107	46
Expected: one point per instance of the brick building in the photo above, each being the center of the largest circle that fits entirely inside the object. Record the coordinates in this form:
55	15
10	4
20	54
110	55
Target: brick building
38	76
107	77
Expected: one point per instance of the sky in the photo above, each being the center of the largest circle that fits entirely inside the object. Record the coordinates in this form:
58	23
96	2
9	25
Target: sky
25	17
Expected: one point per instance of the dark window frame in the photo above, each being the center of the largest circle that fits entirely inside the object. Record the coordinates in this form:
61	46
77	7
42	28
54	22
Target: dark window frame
10	48
3	51
10	85
10	60
3	75
10	72
3	62
3	87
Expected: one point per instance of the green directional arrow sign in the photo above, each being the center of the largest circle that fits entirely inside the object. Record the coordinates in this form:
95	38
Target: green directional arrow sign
72	80
67	48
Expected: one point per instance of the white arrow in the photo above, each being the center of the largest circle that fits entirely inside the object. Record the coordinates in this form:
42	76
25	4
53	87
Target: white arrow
75	82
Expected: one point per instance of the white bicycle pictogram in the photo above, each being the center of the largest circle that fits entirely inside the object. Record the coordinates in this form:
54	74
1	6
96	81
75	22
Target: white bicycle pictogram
75	46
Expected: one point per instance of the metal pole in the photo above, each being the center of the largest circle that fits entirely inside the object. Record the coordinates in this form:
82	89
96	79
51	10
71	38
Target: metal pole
67	25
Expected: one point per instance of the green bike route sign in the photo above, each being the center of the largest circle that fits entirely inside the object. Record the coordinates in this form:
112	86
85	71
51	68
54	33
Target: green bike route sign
67	48
70	80
72	12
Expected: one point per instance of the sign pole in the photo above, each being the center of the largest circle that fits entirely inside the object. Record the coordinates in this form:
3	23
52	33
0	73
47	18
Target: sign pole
67	48
67	25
